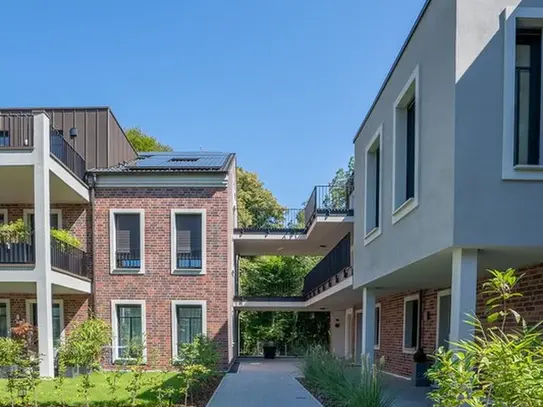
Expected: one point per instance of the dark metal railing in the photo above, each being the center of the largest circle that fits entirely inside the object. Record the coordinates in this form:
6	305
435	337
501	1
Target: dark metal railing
69	258
17	253
189	261
329	199
267	286
128	259
16	130
333	263
66	154
334	199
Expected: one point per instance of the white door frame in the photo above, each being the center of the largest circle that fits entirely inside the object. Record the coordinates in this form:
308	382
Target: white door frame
348	332
358	351
440	294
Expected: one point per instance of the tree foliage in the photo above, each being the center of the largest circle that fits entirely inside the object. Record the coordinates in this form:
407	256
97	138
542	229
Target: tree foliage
143	142
257	206
340	187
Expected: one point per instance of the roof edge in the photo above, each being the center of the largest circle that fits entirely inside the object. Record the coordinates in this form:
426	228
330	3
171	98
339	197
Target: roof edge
393	67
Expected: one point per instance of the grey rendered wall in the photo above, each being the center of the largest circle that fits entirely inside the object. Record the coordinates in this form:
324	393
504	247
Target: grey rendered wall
119	149
429	228
489	212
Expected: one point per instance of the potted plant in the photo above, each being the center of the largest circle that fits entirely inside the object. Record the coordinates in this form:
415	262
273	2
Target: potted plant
269	346
420	367
14	243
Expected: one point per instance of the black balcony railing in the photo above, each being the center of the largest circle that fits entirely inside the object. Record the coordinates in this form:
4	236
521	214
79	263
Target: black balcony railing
16	130
333	263
68	258
66	154
189	261
17	253
324	200
128	259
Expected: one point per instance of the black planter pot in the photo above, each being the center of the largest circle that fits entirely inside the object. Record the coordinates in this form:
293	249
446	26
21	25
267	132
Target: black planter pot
418	376
269	349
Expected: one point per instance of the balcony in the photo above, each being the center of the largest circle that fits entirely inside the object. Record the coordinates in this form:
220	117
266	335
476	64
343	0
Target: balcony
334	270
311	230
64	258
16	131
65	153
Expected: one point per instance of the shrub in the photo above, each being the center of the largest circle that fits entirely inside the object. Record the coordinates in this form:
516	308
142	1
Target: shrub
497	366
344	384
14	232
202	351
9	352
65	237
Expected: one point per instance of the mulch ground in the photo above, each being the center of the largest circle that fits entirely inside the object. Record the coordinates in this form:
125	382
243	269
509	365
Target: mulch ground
203	395
323	399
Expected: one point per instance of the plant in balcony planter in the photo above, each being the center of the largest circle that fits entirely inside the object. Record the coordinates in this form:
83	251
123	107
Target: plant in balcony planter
65	238
14	242
420	367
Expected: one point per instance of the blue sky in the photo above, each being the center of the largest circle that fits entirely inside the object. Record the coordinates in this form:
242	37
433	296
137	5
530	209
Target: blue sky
282	83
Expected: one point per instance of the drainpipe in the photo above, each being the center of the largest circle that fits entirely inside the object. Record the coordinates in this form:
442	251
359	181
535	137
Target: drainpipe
91	181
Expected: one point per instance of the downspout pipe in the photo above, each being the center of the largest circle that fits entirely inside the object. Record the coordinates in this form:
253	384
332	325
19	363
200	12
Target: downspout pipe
91	181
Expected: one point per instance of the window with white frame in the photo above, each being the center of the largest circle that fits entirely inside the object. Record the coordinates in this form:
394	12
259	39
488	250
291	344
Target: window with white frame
405	146
3	215
58	318
372	207
188	240
4	318
128	322
411	323
523	146
377	339
55	218
127	240
188	321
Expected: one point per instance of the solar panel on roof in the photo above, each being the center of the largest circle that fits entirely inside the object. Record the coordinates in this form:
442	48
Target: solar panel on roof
191	160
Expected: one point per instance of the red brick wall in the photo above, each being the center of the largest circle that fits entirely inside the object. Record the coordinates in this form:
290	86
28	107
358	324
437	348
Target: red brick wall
158	287
530	306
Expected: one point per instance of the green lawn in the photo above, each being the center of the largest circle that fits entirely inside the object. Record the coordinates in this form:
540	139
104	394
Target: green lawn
100	395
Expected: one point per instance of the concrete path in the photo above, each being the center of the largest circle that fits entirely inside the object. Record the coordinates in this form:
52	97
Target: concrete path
263	383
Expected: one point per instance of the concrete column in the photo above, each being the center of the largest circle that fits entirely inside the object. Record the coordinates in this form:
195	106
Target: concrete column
463	293
368	323
42	244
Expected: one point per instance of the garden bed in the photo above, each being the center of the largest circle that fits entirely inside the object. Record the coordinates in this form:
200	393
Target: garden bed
319	395
101	394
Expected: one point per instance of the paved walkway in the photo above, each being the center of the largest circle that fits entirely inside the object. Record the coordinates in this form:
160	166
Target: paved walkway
263	383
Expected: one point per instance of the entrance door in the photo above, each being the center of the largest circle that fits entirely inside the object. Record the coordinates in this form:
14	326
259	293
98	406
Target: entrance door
443	318
358	344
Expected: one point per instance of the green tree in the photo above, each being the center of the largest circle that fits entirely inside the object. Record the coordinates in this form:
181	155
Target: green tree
340	187
143	142
257	207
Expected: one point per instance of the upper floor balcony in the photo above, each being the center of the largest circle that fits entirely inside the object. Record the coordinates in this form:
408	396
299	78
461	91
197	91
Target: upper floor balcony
327	286
311	230
29	143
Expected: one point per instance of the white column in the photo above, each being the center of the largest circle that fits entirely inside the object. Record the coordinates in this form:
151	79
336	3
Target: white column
463	293
42	244
368	323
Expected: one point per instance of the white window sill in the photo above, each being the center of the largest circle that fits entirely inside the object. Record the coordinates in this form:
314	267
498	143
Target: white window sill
404	209
377	347
409	351
127	271
372	235
524	173
189	272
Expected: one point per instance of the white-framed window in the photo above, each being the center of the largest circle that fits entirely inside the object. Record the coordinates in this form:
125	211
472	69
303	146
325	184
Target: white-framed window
58	318
373	190
377	338
3	215
127	240
523	108
405	164
5	318
128	322
189	319
411	323
443	325
55	218
188	241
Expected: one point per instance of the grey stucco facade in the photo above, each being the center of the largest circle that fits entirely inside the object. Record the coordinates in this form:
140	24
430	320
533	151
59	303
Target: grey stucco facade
463	199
